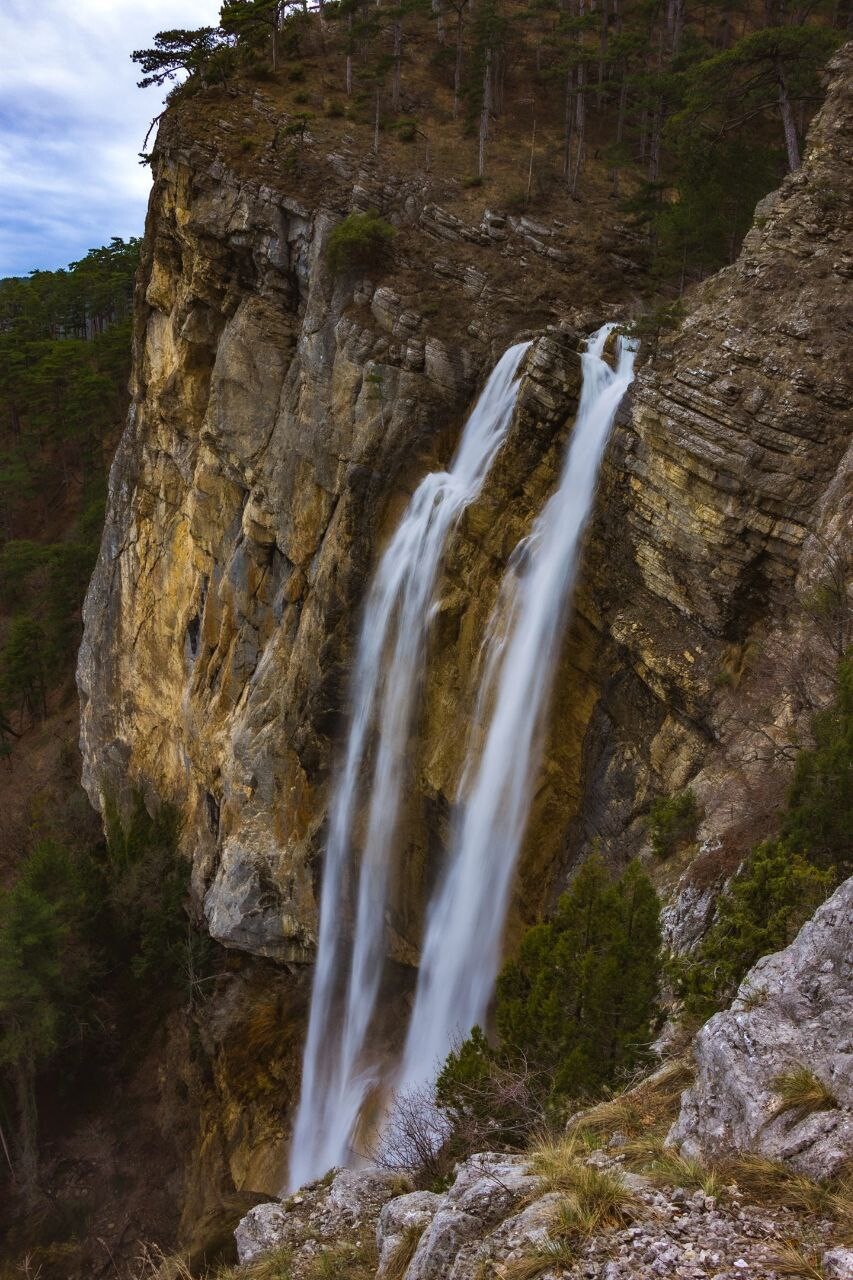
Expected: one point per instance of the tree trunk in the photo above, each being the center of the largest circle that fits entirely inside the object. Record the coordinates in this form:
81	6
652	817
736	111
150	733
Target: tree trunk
568	121
457	70
530	168
602	55
654	146
376	124
791	141
439	20
26	1171
623	103
485	113
349	56
674	25
580	120
398	53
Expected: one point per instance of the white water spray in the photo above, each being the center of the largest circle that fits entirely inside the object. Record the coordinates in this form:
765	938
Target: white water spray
465	923
388	669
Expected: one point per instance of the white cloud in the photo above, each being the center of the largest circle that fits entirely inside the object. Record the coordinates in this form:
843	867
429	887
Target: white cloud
72	122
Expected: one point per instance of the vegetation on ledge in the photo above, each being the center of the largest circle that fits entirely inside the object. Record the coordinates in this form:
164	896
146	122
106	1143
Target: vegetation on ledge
687	116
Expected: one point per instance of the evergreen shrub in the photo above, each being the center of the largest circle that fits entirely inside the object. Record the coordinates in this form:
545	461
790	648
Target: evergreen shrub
361	241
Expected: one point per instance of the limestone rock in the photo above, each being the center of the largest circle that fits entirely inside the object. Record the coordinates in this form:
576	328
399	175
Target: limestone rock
262	1230
483	1191
280	418
837	1263
411	1212
794	1009
359	1193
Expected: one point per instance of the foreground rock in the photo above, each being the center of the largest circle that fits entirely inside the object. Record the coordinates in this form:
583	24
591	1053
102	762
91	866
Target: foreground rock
496	1215
794	1009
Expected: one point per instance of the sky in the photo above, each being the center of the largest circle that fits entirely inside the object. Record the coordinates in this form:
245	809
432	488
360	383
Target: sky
72	123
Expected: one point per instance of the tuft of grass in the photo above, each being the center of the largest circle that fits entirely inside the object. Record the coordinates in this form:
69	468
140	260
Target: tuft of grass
595	1200
340	1262
277	1265
550	1255
670	1167
770	1180
404	1251
803	1092
754	998
795	1262
598	1199
646	1108
556	1161
153	1264
762	1180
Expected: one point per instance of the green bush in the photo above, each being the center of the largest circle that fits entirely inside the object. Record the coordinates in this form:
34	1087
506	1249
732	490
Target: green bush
783	881
673	823
763	908
407	129
361	241
819	820
146	887
573	1011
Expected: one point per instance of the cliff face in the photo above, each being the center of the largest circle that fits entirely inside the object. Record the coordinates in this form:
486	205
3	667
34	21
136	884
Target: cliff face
280	417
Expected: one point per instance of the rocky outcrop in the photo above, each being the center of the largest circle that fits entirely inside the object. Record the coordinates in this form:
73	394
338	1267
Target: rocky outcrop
794	1010
339	1209
496	1219
281	415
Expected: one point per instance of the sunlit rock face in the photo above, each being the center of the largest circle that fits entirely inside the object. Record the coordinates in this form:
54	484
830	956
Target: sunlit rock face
280	419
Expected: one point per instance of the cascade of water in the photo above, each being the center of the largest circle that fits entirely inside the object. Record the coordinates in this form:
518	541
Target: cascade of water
465	922
386	677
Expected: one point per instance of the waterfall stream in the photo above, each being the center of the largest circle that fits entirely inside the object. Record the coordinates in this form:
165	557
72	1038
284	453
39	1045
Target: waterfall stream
465	922
386	678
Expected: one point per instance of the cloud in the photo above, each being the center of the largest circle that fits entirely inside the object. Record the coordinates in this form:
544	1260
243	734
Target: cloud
72	123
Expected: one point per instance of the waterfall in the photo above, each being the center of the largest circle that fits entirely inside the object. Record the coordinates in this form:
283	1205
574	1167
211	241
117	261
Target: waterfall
386	679
465	922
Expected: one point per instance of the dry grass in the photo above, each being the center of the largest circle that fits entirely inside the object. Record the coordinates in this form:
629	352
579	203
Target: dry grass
647	1107
668	1167
595	1200
776	1183
340	1262
555	1160
551	1255
154	1265
404	1251
760	1179
795	1262
803	1092
598	1200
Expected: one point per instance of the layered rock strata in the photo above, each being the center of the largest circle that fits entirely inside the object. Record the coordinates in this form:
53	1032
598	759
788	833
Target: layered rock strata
280	417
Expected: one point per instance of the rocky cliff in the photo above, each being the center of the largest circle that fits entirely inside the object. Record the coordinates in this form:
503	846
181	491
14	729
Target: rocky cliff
280	416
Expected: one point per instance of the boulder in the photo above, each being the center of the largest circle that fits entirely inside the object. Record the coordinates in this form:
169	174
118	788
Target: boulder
794	1009
837	1264
398	1216
262	1230
359	1193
